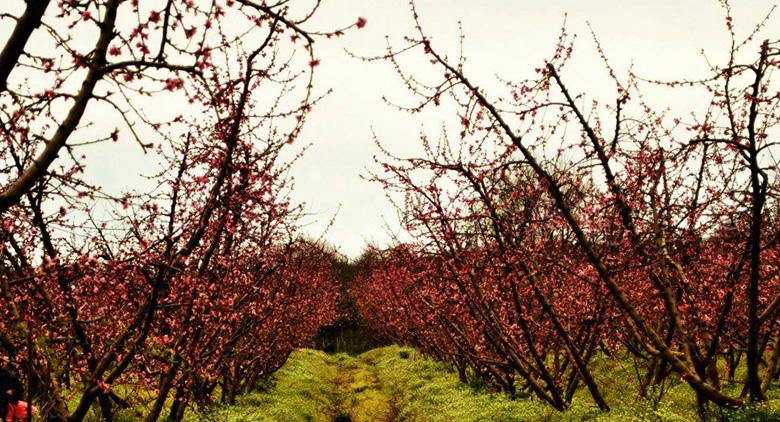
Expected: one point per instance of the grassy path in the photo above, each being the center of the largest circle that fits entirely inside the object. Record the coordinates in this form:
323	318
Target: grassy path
360	396
314	386
386	384
398	384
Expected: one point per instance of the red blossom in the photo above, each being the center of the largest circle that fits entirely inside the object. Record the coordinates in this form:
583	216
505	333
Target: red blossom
173	84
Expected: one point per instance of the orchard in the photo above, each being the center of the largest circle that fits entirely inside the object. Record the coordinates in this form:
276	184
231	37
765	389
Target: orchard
555	227
202	280
544	233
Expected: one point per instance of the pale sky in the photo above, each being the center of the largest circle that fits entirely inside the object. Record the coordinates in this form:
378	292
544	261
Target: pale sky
662	38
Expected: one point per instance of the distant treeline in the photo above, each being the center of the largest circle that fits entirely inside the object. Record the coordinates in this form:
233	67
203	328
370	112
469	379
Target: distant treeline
349	333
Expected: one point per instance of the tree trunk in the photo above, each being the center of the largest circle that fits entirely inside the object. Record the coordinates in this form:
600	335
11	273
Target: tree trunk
30	19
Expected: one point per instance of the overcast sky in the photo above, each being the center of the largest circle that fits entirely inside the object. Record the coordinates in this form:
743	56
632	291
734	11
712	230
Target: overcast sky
662	38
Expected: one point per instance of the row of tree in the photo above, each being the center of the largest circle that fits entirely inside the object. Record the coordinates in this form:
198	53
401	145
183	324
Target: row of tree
556	228
195	282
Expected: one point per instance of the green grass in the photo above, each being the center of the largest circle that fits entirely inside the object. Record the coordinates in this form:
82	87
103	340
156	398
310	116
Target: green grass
397	383
303	390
